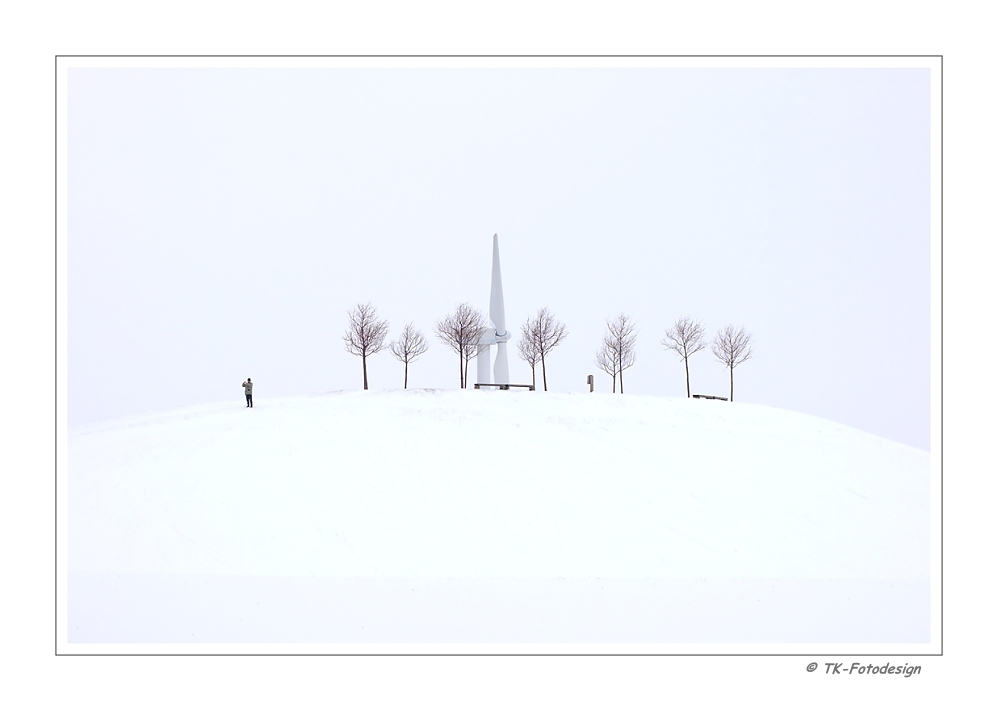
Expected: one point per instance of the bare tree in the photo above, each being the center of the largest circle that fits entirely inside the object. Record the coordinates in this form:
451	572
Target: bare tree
732	347
685	338
528	351
546	332
618	348
408	348
366	334
461	331
607	361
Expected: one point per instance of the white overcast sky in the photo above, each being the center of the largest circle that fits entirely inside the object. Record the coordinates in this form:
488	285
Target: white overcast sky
222	221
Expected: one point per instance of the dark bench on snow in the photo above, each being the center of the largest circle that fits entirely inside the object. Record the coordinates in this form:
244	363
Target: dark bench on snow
479	386
710	397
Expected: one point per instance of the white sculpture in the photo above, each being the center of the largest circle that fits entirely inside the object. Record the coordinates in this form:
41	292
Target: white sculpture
498	335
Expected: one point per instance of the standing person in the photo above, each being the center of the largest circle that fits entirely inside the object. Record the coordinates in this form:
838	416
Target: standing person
248	388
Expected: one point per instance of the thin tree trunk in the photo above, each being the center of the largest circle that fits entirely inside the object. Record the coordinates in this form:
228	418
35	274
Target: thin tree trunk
460	366
687	377
533	375
731	392
405	384
544	372
363	360
620	367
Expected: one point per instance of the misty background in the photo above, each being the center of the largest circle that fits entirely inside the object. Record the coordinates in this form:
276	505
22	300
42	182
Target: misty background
223	221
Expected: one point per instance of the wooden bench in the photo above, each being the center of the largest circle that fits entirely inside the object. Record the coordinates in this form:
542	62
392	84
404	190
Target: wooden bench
479	386
710	397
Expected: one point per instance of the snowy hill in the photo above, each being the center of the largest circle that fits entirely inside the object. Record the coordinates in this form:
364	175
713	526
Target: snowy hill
501	516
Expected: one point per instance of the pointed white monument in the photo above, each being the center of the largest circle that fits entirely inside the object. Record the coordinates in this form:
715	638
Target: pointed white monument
498	335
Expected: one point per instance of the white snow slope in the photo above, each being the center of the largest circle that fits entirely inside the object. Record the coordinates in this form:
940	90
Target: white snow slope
483	516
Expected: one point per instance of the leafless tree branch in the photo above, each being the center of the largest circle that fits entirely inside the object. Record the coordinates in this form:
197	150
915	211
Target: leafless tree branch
545	332
685	338
527	348
366	334
731	348
617	352
606	360
409	346
461	331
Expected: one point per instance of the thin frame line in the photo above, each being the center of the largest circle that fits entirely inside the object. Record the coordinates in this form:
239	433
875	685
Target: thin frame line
515	56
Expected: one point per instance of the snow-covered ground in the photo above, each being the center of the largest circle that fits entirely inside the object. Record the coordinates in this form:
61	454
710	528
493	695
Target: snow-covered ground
481	516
